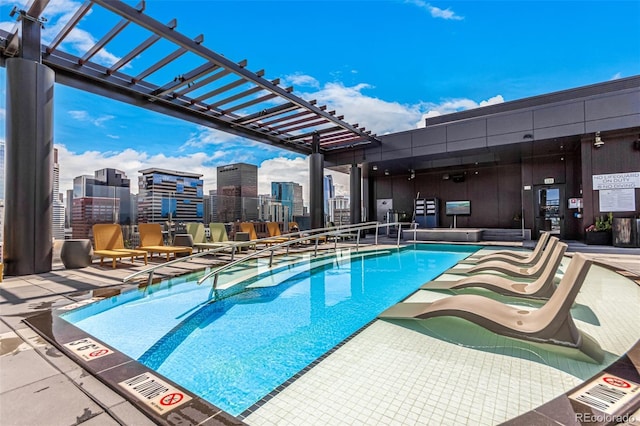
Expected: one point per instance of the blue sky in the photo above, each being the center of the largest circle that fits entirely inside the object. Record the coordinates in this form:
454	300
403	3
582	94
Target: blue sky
383	64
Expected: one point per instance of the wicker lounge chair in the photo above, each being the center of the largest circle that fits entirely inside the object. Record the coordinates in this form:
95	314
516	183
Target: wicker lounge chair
514	257
552	323
542	288
151	241
522	271
108	242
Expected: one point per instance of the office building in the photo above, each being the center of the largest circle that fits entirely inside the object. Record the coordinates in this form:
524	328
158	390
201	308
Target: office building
339	211
329	192
102	198
57	224
237	190
68	207
289	194
213	206
169	196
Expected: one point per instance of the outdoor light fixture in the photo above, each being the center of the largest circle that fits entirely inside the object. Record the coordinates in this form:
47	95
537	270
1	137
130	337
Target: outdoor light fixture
598	142
412	174
375	167
386	172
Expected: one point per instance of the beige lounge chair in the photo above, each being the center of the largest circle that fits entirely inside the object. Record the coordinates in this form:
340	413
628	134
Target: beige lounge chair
219	236
108	242
274	232
151	241
522	271
515	258
199	236
542	288
253	236
552	323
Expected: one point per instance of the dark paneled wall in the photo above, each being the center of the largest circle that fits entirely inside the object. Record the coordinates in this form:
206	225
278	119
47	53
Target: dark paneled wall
617	155
494	193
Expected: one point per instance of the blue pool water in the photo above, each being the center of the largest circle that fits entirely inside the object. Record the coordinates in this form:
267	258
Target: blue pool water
234	350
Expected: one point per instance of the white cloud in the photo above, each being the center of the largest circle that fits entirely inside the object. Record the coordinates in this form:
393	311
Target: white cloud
616	76
436	12
80	115
58	13
455	105
383	117
301	80
130	161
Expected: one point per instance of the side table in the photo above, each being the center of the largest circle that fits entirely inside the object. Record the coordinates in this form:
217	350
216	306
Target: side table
76	253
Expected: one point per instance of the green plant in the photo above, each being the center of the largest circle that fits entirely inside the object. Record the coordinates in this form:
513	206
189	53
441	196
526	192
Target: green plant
604	224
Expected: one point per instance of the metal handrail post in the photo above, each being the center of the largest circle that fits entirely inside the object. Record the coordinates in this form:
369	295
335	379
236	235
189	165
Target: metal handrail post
376	234
315	253
399	233
358	241
271	258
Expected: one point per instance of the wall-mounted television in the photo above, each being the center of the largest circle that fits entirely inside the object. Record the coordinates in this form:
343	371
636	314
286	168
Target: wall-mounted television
457	208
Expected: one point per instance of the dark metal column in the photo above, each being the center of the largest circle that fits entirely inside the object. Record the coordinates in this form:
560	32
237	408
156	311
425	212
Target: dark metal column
355	194
316	185
29	160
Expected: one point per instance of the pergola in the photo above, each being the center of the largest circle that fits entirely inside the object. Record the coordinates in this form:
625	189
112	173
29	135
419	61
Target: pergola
167	72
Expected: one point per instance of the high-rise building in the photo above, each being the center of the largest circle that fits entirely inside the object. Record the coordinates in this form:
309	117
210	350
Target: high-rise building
289	194
213	206
329	191
237	192
68	208
102	198
339	211
57	224
169	195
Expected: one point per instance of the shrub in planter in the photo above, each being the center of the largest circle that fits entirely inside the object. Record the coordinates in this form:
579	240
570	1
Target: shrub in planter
600	232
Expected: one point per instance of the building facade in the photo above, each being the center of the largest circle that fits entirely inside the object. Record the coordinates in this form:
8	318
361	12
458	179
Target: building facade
289	195
102	198
58	216
169	195
538	163
237	192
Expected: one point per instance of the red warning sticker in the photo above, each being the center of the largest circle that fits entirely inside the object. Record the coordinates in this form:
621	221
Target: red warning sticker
155	393
607	393
88	349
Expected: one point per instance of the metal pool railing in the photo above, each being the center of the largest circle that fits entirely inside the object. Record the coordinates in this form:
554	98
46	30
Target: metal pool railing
296	237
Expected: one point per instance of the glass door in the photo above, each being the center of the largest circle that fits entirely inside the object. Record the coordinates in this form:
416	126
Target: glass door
550	210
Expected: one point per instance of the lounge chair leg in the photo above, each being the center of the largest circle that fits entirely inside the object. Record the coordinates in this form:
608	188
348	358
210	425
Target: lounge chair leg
114	263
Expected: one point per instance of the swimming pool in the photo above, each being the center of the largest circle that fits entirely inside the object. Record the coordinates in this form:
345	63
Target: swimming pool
232	348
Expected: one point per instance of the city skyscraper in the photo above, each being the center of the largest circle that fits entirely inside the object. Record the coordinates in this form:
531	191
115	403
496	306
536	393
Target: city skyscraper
289	194
102	198
237	191
169	195
57	224
329	191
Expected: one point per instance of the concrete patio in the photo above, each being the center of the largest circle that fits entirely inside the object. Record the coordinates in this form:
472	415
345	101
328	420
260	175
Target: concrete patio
39	385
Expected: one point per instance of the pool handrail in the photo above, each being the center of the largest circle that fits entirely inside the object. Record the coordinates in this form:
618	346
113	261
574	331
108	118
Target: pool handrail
306	235
311	234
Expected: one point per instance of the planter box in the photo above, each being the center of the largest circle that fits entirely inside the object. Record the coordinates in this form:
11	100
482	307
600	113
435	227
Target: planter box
600	238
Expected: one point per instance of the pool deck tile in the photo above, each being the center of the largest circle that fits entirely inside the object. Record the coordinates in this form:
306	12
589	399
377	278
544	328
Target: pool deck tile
40	385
